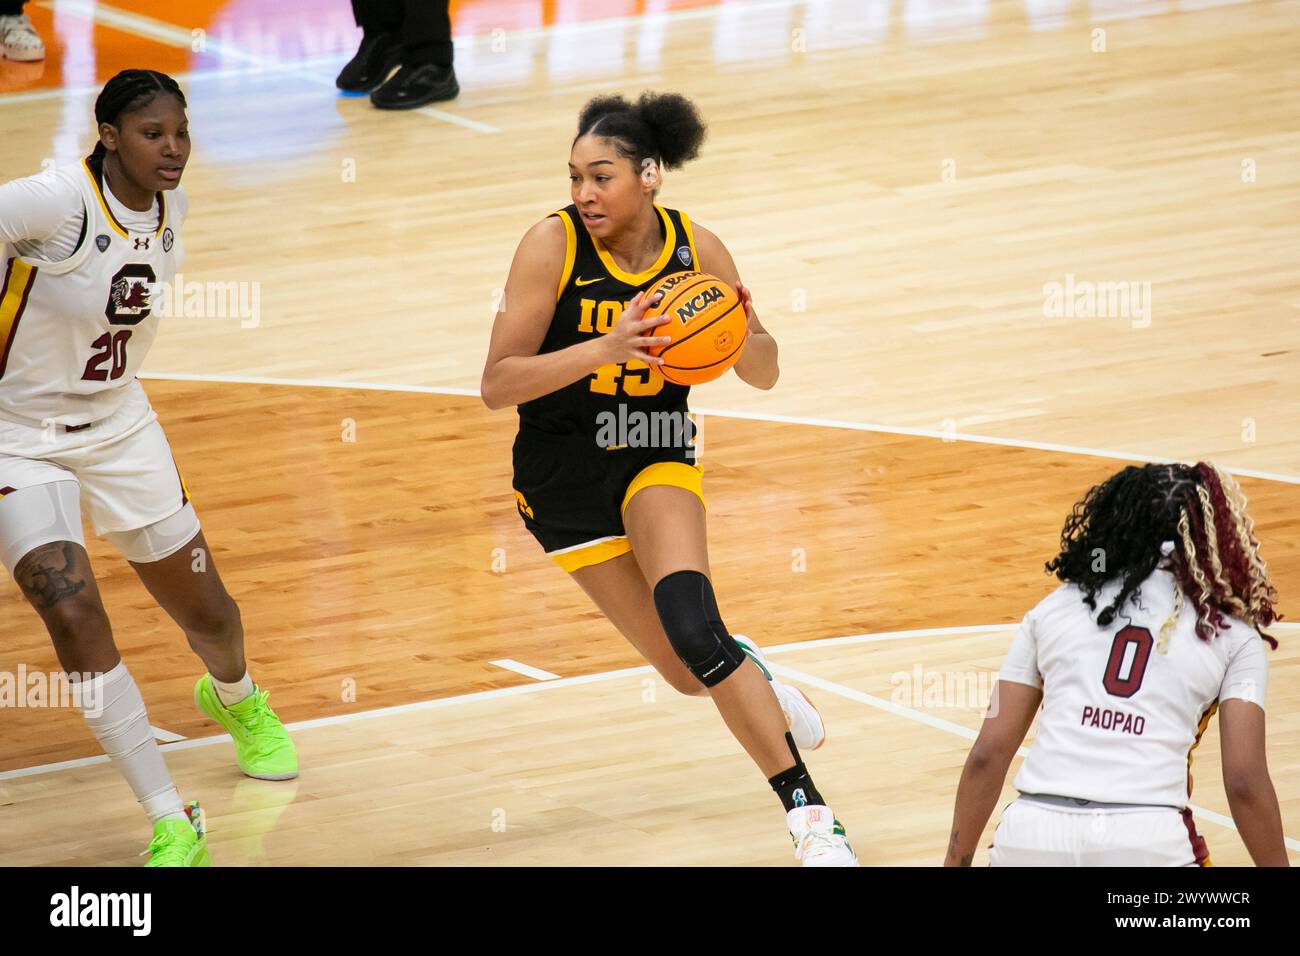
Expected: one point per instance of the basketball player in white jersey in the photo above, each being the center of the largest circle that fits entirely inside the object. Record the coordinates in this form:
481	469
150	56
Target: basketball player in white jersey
1156	627
83	248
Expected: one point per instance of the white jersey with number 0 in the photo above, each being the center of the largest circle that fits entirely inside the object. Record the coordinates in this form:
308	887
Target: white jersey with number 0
1120	718
75	328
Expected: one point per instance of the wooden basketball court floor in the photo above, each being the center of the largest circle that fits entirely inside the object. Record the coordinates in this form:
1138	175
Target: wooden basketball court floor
899	182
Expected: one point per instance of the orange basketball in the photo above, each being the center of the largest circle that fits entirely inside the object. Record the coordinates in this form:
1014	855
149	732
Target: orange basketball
707	325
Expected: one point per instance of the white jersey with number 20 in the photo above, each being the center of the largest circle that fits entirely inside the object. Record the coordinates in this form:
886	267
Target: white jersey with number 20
74	331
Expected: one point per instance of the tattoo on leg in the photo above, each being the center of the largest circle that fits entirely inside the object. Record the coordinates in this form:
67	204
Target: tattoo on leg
965	859
46	574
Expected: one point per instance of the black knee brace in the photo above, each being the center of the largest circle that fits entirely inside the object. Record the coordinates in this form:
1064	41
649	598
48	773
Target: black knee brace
694	627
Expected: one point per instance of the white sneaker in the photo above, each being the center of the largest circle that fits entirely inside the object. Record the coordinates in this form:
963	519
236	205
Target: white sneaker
801	716
19	39
819	838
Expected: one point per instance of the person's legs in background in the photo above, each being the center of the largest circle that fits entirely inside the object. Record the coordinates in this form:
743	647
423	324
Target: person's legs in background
381	45
18	38
427	74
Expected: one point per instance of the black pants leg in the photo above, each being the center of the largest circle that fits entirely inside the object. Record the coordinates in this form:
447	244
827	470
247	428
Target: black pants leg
376	16
426	32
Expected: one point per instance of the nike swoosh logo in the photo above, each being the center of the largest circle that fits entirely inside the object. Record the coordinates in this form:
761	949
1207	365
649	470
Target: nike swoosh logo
587	281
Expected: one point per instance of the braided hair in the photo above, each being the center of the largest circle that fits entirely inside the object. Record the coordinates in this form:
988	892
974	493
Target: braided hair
1122	529
127	92
665	127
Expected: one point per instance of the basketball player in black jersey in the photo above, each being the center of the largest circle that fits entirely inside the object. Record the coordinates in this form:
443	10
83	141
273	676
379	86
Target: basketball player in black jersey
627	521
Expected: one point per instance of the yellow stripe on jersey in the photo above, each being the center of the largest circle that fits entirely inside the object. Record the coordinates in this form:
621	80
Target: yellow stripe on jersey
1200	731
570	252
640	278
117	226
585	555
185	492
99	194
17	285
690	240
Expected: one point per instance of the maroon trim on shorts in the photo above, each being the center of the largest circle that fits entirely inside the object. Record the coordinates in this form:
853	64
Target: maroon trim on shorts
1199	849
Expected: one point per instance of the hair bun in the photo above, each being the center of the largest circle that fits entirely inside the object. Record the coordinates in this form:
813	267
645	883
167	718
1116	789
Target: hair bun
674	125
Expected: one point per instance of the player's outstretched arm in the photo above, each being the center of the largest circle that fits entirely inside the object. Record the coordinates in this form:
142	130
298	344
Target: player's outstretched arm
1011	711
1251	796
757	365
514	373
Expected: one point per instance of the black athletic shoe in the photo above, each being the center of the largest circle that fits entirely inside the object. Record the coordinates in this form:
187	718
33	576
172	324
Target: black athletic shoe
414	86
379	53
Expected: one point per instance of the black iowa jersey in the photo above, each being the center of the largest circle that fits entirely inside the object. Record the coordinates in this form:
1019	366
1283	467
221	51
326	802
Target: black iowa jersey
592	294
574	459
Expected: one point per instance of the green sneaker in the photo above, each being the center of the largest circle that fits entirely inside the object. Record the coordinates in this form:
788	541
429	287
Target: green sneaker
262	745
180	843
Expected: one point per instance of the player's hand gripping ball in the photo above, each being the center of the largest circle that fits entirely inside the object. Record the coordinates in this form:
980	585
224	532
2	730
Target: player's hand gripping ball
707	325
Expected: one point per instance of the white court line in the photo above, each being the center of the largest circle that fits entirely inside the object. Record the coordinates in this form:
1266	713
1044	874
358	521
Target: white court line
838	689
422	705
930	632
311	383
940	724
171	35
165	33
746	416
149	28
528	671
166	736
439	702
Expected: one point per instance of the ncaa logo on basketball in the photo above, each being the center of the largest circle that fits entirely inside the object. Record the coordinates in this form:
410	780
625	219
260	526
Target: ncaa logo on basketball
684	254
168	239
692	307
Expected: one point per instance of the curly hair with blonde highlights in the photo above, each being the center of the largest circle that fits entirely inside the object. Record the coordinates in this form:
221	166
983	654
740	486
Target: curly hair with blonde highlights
1200	509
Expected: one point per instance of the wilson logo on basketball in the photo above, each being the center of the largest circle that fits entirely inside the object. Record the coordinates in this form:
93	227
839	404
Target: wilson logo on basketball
689	309
724	341
674	280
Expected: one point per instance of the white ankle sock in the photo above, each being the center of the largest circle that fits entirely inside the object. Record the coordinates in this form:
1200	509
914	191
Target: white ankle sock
115	712
230	694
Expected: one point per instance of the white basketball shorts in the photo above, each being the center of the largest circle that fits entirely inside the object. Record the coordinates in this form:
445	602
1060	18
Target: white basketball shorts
1058	831
122	464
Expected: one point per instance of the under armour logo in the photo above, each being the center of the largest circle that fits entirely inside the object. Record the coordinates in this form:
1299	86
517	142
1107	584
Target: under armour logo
142	243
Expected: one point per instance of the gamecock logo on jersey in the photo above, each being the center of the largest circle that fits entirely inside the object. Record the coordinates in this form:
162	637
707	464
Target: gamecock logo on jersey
128	296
